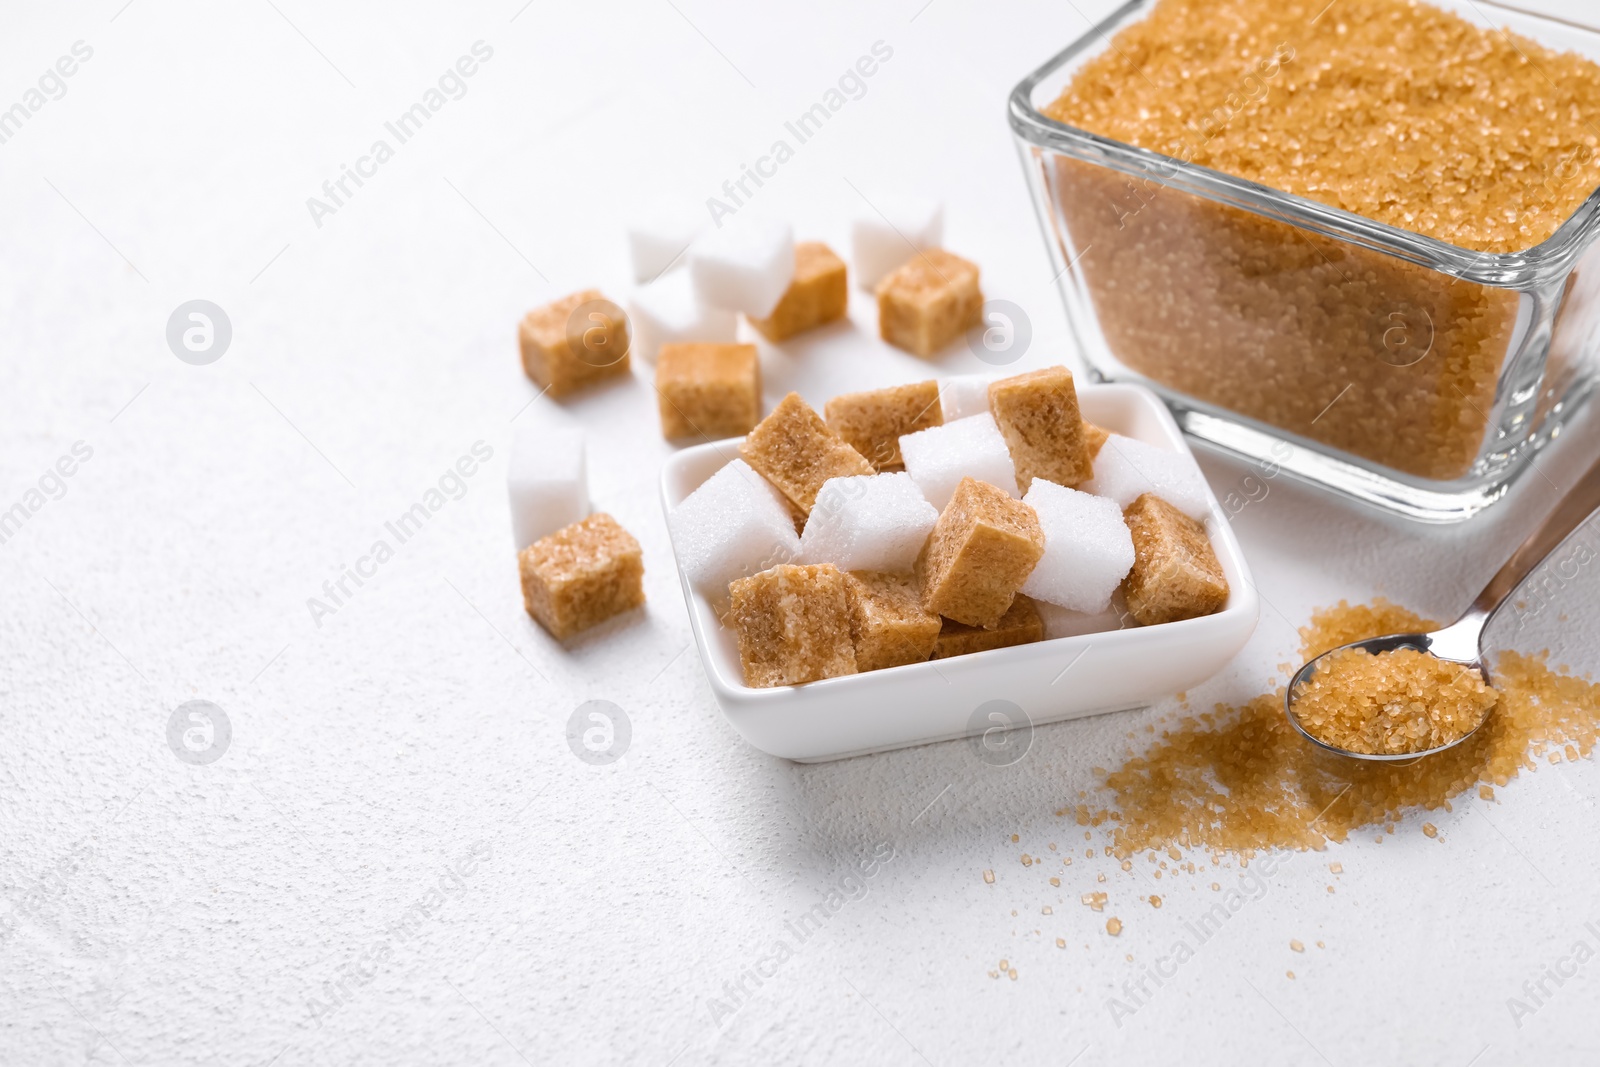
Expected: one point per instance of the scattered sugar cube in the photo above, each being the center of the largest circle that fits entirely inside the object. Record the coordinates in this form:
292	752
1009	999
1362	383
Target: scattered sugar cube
659	238
1087	548
745	267
573	341
873	422
1037	414
666	312
1176	574
1020	625
929	301
817	294
581	575
547	481
708	391
939	457
794	450
881	241
734	525
876	522
793	625
982	549
1125	470
965	395
888	624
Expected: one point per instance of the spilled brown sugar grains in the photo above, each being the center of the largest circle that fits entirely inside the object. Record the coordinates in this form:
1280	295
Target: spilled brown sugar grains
1238	779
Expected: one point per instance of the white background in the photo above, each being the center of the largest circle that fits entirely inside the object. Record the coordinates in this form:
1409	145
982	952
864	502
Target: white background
158	912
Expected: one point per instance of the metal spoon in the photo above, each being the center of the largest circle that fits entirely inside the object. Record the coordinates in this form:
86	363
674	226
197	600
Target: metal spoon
1462	641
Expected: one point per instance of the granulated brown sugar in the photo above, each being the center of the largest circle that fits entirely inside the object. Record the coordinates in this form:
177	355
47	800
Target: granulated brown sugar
1486	141
1391	703
1238	779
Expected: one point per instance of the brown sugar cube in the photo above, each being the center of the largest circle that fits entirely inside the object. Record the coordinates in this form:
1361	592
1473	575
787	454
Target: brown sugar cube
888	624
581	575
1020	625
929	301
818	294
708	390
793	625
873	422
1093	438
982	549
796	516
1038	415
794	450
562	351
1175	570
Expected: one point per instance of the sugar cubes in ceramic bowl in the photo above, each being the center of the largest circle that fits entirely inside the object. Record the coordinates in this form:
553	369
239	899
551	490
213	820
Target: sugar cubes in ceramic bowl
854	588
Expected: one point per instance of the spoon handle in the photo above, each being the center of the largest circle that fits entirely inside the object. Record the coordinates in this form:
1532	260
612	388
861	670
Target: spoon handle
1579	503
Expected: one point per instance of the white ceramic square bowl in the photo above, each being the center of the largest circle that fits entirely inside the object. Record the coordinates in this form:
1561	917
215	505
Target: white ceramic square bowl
1065	678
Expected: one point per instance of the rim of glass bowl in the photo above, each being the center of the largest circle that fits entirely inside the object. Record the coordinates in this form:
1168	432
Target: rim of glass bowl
1528	269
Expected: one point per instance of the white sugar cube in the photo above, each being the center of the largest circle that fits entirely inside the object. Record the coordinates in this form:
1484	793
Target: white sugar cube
547	481
666	312
940	456
1060	622
884	236
872	522
1125	469
965	395
745	266
735	525
659	238
1087	548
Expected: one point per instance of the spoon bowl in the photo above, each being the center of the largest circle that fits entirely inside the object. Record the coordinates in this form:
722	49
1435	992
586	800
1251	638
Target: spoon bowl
1446	644
1462	641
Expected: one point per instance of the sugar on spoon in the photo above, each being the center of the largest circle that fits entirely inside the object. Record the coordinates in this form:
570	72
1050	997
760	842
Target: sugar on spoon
1462	641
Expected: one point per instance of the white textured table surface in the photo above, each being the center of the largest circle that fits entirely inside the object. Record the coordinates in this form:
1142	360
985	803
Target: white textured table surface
293	901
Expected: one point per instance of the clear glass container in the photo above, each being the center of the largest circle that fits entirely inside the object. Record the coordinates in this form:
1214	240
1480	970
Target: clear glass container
1406	372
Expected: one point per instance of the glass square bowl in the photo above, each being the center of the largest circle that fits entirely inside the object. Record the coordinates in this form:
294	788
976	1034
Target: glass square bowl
1403	371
